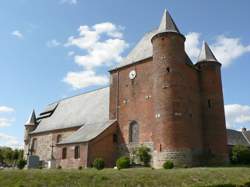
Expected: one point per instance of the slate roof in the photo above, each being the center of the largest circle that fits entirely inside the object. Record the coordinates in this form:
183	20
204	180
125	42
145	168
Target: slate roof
87	108
206	54
141	51
32	119
235	137
87	132
167	23
144	48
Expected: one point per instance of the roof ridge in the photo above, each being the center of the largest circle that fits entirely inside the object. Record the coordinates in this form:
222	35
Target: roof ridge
87	92
245	137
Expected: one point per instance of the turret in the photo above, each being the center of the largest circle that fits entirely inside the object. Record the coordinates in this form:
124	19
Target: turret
214	128
30	125
172	137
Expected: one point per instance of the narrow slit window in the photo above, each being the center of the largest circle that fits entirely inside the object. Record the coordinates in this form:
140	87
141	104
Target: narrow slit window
115	138
209	103
64	153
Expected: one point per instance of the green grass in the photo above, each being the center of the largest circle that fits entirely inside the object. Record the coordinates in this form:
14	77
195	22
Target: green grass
144	177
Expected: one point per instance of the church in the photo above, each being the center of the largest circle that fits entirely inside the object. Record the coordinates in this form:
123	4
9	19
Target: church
157	97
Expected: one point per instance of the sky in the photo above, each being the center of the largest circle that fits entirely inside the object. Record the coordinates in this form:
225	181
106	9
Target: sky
52	49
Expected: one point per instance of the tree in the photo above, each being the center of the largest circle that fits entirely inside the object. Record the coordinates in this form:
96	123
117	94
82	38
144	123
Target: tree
240	155
143	154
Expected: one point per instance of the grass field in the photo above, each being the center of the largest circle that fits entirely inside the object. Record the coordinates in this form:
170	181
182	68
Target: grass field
144	177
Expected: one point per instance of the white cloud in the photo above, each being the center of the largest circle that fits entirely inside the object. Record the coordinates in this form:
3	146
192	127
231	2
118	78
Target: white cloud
84	79
237	115
103	53
71	2
5	122
17	34
192	44
71	53
228	49
10	141
102	45
6	109
53	43
225	49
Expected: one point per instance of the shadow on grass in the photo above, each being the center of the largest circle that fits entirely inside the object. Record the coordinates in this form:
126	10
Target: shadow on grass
230	185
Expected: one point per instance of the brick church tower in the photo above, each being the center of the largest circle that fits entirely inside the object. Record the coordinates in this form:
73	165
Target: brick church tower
162	100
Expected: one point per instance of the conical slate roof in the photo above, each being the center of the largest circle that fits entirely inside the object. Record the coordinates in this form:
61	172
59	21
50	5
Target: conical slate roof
32	119
167	23
206	54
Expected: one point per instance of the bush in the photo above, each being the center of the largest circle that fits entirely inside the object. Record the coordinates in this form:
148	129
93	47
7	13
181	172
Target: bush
123	162
168	164
59	167
98	163
80	167
143	154
21	163
240	154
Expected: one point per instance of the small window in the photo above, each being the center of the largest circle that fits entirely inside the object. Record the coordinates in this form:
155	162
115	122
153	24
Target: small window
209	103
168	69
115	138
58	138
64	153
77	152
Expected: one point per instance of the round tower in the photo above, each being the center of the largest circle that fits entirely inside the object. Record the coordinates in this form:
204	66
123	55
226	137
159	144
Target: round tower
214	126
30	125
171	129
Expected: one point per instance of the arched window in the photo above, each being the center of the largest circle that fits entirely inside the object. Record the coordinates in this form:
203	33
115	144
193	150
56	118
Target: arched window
133	132
64	153
58	138
77	152
34	145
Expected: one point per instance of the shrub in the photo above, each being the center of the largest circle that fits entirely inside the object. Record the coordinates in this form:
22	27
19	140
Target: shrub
143	154
123	162
59	167
168	164
240	154
21	163
98	163
80	167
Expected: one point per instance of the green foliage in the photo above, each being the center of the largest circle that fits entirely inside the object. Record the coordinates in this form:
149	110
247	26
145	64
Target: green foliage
168	164
21	163
240	155
143	154
123	162
98	163
10	156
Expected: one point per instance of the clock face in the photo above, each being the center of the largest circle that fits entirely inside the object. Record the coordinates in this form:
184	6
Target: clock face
132	74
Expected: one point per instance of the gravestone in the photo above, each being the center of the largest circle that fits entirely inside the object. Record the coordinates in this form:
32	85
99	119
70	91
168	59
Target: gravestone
33	162
51	164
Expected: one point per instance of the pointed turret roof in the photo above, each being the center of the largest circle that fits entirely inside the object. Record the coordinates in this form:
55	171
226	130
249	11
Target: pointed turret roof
32	119
167	23
206	54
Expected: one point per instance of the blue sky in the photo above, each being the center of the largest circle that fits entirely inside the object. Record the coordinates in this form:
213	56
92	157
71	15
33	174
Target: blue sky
51	49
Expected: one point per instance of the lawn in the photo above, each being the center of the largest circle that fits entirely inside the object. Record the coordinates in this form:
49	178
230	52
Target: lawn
144	177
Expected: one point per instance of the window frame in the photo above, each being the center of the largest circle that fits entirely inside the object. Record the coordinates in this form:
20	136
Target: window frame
64	152
77	152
